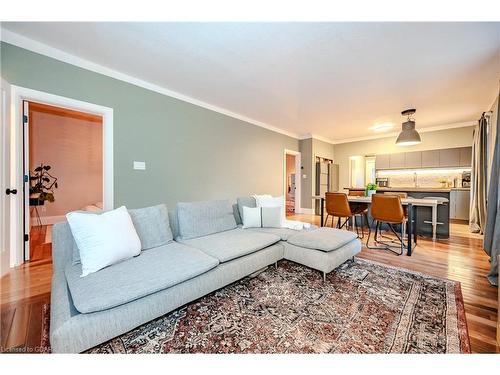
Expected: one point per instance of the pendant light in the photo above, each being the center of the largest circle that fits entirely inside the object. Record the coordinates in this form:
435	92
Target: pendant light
408	136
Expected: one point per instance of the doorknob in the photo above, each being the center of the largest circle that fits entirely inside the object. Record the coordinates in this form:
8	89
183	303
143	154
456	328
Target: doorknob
9	191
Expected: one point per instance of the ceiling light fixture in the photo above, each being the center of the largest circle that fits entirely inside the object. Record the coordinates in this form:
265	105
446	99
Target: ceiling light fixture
382	127
408	136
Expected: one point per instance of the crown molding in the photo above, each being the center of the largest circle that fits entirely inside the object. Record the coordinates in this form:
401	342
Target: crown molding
315	136
395	134
57	54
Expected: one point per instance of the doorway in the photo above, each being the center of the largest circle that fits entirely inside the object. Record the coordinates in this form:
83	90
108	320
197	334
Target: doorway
64	165
19	225
292	182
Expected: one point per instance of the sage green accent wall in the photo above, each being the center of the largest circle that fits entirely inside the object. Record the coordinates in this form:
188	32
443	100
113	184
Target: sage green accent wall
191	153
458	137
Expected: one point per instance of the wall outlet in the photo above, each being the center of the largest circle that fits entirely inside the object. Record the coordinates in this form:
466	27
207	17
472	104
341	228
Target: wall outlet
140	165
304	176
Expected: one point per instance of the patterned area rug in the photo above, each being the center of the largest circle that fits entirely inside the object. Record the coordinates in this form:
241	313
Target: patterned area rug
363	307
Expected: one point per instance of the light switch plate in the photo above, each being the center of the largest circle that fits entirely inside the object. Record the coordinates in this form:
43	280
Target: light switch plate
140	165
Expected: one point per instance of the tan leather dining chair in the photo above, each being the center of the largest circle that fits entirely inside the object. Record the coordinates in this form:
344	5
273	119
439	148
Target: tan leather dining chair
401	195
337	206
387	208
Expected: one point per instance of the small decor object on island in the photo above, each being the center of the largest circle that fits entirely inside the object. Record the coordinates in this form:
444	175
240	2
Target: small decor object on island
443	182
370	189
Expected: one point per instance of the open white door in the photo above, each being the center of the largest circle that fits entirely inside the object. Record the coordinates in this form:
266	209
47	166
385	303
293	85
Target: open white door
26	184
5	192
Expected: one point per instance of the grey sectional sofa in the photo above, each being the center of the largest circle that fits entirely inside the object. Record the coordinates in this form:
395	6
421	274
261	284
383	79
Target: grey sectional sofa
210	251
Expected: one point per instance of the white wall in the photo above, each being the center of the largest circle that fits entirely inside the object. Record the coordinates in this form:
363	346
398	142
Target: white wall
73	148
458	137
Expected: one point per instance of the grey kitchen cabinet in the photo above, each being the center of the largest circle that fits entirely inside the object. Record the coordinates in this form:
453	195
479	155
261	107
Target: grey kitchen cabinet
459	204
430	158
382	161
466	156
413	159
397	161
449	157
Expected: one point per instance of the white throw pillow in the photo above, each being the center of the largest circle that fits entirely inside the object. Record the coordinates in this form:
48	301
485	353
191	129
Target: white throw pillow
104	239
251	217
268	201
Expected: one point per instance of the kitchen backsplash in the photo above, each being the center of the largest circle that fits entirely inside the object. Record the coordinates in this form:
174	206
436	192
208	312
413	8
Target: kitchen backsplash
425	178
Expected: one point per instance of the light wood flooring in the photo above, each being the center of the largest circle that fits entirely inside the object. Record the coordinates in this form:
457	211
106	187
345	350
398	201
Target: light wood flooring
26	288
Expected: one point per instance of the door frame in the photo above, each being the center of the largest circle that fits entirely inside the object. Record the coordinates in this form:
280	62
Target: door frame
18	95
298	178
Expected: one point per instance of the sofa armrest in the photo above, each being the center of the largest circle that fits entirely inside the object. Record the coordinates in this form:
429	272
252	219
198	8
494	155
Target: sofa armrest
62	246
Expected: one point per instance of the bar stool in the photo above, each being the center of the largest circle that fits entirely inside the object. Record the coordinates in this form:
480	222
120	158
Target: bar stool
387	208
337	205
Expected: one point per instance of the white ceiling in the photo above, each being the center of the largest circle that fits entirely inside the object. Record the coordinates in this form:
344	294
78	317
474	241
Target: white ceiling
333	80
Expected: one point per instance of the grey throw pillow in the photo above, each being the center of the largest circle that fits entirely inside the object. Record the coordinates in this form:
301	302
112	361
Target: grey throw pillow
271	217
152	226
197	219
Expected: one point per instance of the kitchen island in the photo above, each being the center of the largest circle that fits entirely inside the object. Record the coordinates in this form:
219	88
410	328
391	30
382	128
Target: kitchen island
423	215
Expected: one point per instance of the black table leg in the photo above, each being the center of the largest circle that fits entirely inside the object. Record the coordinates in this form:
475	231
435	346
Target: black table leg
415	220
322	206
410	229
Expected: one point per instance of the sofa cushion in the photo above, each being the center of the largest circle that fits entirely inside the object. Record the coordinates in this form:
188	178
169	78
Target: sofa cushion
150	272
232	244
152	225
245	202
325	239
283	233
197	219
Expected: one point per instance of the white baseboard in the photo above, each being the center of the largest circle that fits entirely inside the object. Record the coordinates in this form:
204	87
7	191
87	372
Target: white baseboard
49	220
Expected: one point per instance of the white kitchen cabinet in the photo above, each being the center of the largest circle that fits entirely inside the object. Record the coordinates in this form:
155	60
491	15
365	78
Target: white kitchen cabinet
459	204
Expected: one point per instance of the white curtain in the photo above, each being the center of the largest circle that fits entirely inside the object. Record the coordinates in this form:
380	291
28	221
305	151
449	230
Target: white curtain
478	189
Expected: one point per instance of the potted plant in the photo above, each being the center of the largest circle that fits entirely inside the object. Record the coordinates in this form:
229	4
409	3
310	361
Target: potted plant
42	185
370	189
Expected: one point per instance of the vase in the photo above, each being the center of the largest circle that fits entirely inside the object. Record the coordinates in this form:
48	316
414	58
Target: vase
369	193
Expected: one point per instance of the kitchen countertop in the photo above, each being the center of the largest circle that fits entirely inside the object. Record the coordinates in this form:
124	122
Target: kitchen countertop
415	189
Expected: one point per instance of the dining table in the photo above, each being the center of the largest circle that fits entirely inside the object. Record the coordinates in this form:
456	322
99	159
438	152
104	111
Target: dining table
409	202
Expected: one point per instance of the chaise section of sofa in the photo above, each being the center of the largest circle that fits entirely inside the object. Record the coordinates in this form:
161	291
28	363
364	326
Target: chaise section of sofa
323	249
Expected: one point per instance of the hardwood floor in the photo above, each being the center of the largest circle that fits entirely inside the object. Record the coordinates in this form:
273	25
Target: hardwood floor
25	289
459	258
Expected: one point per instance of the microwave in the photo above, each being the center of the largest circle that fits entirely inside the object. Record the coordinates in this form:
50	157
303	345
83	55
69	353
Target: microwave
382	181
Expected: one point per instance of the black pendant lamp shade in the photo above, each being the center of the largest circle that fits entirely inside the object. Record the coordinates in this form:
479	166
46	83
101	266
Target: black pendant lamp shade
408	136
